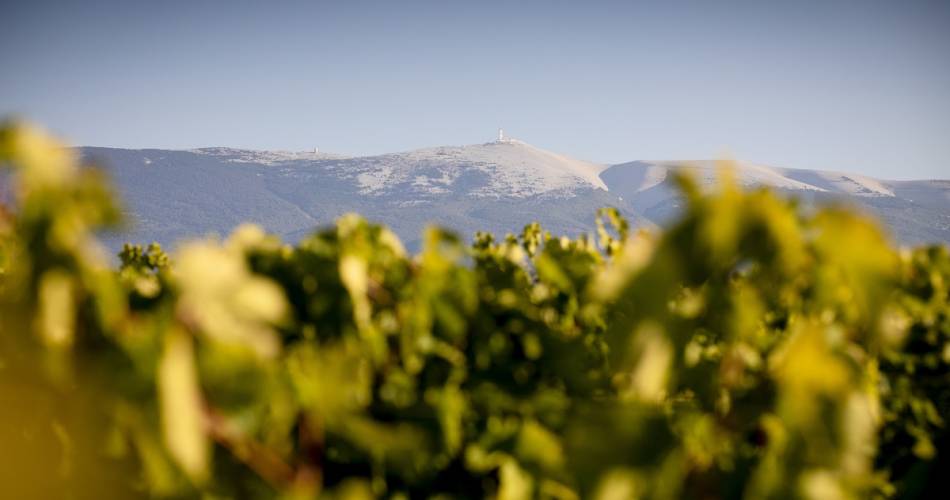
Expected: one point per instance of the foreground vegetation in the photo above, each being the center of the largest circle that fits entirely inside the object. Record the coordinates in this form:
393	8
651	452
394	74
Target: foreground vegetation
749	350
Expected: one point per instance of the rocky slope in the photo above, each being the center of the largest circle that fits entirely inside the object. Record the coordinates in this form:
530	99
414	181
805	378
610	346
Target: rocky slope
496	186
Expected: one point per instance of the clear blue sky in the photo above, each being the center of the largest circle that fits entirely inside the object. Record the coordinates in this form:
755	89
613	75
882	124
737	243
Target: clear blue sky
860	86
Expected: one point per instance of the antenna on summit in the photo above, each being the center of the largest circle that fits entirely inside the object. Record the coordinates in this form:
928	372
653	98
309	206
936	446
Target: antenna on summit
501	135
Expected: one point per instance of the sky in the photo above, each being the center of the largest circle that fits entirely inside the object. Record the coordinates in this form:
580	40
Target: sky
860	86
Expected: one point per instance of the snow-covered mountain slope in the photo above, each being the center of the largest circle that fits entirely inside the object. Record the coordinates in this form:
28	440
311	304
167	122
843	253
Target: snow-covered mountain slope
497	186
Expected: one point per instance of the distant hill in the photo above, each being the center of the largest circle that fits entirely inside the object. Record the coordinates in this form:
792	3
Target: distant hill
912	211
497	186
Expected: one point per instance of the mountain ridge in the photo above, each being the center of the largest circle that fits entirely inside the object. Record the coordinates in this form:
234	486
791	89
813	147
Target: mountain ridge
497	186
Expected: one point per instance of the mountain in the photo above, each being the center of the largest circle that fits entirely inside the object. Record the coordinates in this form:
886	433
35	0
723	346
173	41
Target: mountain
497	186
914	212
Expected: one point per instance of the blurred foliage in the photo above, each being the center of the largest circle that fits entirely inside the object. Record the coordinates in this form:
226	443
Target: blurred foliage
748	351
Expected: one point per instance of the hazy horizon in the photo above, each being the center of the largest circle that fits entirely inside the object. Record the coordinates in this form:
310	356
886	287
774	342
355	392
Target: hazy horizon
844	85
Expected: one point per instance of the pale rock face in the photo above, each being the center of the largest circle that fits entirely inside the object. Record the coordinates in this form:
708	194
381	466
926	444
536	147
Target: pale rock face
513	168
516	169
857	185
256	157
750	175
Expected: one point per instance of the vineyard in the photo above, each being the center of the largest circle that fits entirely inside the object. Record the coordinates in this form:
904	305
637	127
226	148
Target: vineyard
751	349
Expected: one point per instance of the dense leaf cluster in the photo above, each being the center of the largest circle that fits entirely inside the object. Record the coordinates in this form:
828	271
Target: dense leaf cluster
750	350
